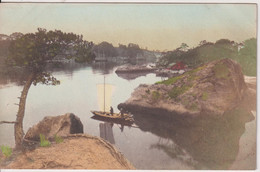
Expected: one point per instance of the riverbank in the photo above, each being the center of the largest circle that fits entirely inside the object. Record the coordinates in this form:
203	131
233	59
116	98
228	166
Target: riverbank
77	151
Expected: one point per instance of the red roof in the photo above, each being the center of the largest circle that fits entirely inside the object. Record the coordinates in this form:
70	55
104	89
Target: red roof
178	66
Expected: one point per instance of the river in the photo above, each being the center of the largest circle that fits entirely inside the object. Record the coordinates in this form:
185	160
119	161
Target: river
155	144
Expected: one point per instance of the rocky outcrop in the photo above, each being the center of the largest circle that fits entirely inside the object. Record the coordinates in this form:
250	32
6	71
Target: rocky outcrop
77	151
210	89
62	125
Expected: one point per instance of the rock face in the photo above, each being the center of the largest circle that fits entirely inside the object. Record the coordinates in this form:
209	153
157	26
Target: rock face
77	151
62	125
210	89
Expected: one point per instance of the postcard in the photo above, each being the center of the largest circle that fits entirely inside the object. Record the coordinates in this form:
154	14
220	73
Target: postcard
128	85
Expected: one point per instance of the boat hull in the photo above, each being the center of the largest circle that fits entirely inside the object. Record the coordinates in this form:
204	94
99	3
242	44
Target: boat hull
115	118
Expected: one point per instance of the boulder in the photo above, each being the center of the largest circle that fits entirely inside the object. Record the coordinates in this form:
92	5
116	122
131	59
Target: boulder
210	89
50	126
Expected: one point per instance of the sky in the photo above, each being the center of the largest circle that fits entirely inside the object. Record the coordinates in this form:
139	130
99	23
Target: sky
153	26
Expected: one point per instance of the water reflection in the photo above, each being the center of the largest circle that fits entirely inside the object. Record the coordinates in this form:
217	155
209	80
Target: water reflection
103	67
213	143
131	76
106	132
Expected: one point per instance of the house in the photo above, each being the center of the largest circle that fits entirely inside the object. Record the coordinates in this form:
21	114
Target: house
178	66
240	46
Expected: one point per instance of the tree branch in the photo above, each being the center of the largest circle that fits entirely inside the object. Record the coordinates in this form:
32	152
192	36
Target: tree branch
8	122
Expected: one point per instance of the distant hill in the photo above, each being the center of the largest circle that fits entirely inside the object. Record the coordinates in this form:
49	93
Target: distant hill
244	53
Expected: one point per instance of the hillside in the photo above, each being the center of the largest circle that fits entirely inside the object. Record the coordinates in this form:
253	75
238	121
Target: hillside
244	54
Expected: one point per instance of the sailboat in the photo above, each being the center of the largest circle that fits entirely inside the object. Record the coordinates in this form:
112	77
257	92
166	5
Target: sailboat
125	119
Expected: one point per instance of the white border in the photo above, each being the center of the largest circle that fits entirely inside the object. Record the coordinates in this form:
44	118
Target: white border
139	1
156	2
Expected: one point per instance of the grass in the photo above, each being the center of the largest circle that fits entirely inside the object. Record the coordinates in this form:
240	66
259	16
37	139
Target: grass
191	76
7	151
155	95
44	142
170	80
221	71
58	139
175	92
205	96
193	107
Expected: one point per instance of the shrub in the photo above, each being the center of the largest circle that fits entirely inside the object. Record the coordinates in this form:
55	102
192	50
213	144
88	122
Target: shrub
58	139
176	91
205	96
155	95
44	142
6	150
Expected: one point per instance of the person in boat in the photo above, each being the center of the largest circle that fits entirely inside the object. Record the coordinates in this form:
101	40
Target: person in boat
111	110
122	112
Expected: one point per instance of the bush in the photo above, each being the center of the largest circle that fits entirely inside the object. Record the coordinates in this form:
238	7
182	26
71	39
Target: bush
58	139
6	150
44	142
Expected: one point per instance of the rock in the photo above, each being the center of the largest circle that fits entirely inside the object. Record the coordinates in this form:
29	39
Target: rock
210	89
62	125
77	151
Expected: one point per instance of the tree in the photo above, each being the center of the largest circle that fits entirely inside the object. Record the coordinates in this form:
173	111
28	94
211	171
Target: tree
183	47
32	51
106	49
133	50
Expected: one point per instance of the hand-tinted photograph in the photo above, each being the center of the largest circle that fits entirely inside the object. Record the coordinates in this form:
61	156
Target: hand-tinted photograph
146	86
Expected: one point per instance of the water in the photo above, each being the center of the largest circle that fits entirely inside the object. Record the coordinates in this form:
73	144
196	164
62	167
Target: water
156	144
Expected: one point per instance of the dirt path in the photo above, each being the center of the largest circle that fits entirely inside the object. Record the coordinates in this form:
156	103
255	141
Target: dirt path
78	151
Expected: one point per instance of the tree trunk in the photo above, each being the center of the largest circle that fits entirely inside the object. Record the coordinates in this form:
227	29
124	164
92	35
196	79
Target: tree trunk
18	127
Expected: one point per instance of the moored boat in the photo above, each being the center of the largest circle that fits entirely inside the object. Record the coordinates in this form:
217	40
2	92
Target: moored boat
116	117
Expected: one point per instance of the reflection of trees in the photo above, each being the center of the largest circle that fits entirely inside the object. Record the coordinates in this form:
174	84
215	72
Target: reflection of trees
212	142
103	67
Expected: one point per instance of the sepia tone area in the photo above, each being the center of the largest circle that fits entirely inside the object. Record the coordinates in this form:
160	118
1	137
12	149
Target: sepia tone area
128	86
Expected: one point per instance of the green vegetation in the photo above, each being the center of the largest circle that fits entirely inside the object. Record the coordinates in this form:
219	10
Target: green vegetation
58	139
191	76
170	80
193	107
247	57
155	95
44	142
33	52
176	91
7	151
205	52
204	96
221	71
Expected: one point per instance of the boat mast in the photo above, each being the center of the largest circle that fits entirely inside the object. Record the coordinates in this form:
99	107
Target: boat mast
104	94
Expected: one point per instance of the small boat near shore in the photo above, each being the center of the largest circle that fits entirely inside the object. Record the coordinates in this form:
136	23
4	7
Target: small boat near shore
136	68
125	119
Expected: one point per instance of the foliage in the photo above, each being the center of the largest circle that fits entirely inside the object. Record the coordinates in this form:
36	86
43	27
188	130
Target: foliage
155	95
223	48
193	107
106	49
176	91
248	57
6	150
170	80
221	71
33	51
58	139
4	44
204	96
133	50
44	142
